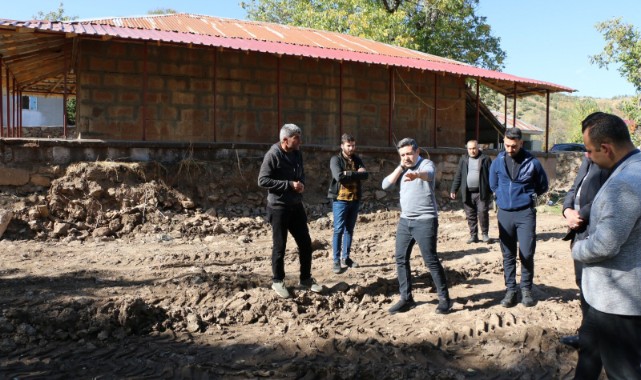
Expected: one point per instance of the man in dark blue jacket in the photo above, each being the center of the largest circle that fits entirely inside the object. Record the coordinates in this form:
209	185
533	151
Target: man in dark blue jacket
517	178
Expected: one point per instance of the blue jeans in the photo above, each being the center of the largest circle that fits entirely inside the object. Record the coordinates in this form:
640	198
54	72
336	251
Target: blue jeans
518	227
345	215
424	232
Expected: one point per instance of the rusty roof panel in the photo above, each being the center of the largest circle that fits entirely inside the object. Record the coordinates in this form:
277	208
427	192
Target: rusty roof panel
278	39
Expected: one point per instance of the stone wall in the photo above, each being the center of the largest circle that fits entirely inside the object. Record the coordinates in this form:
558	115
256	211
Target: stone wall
48	132
33	164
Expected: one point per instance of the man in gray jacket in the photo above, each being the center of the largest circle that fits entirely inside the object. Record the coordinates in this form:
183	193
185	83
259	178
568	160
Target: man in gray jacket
610	334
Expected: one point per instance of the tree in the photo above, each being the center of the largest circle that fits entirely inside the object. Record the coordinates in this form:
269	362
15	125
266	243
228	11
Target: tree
162	11
57	15
583	108
447	28
623	47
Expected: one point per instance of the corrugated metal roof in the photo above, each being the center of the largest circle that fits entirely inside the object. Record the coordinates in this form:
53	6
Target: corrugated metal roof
520	124
276	39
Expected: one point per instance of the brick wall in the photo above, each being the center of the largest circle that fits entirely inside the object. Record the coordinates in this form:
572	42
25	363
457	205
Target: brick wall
254	94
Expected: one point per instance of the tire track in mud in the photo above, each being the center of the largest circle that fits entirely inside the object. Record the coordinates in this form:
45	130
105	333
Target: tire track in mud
209	314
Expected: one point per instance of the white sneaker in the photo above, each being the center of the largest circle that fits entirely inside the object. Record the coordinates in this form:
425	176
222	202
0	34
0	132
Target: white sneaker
280	289
311	284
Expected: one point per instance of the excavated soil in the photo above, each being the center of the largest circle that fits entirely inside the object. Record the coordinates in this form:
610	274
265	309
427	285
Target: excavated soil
111	274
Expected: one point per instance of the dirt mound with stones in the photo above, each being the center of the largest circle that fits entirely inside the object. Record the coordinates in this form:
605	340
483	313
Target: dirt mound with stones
129	277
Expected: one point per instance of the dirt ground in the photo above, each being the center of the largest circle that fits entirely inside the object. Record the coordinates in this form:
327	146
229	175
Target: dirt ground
100	281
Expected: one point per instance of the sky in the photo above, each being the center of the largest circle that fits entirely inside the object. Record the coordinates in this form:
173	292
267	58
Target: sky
547	40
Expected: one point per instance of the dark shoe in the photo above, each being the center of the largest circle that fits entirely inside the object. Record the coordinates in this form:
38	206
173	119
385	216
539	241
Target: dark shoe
486	238
472	239
348	263
510	299
402	306
572	341
336	268
280	289
310	284
444	306
526	298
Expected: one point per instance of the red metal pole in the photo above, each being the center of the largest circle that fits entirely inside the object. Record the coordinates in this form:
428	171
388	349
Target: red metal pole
19	131
144	92
547	120
278	104
478	109
340	99
514	108
1	105
15	109
8	102
435	104
214	88
390	110
64	102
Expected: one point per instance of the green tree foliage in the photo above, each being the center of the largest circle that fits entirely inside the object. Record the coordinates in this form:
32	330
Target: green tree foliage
582	108
57	15
71	111
623	47
447	28
162	11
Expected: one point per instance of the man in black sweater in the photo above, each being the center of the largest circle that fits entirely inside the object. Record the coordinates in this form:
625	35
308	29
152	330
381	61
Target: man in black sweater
283	175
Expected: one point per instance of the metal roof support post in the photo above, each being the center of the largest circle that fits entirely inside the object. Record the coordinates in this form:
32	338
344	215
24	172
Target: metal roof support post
513	109
278	103
435	103
19	130
390	105
478	109
498	138
215	92
15	108
340	100
1	105
8	102
547	119
144	91
64	102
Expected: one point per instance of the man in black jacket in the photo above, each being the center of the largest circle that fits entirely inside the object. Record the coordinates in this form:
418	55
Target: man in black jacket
472	178
345	192
283	175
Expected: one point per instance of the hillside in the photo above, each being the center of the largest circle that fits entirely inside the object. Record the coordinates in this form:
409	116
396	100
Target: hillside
566	113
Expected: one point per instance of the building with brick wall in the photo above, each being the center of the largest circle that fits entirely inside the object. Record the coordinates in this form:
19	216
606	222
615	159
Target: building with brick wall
189	78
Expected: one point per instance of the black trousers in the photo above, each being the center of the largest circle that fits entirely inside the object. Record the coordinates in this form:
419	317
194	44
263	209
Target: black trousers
292	219
610	341
518	227
477	211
